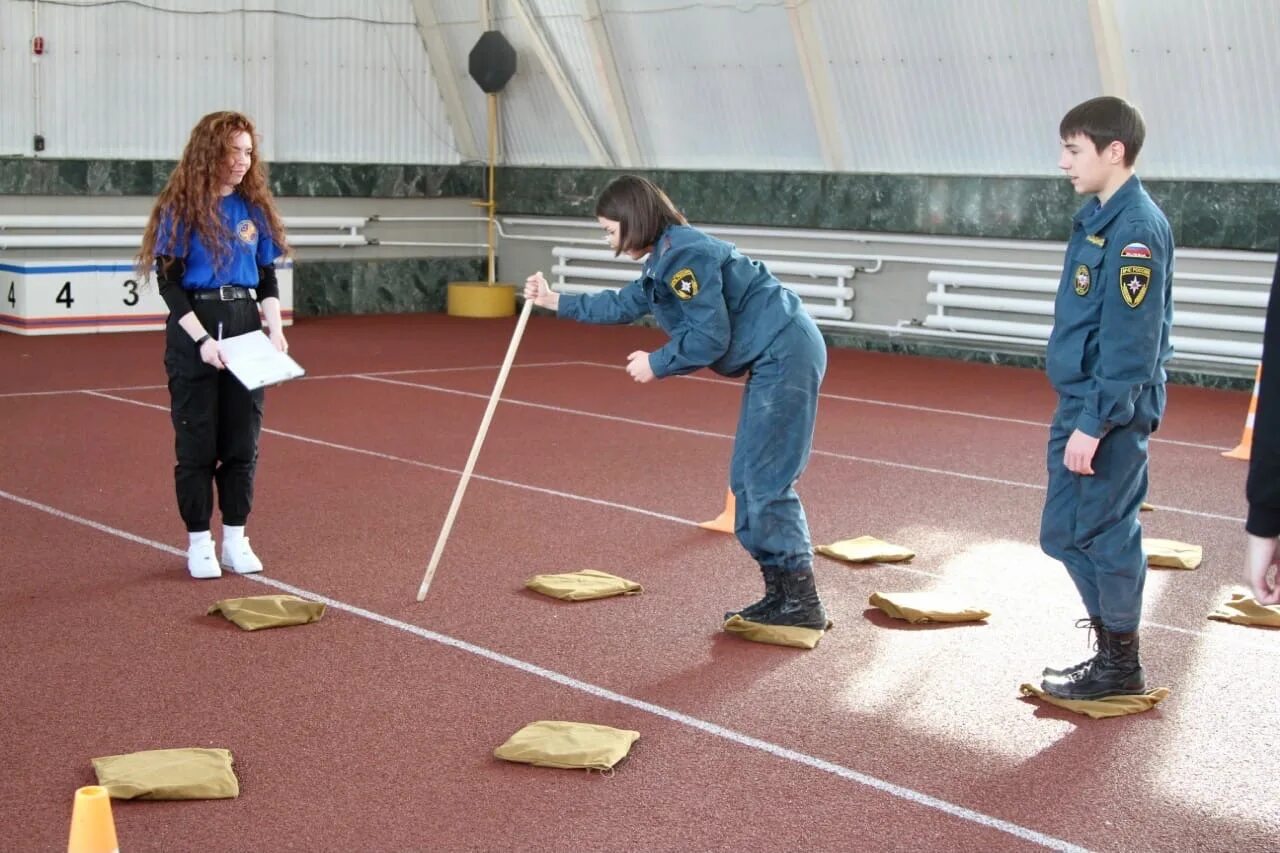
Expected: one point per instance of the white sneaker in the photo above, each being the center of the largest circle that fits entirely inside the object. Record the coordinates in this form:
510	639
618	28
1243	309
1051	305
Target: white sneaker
201	561
239	557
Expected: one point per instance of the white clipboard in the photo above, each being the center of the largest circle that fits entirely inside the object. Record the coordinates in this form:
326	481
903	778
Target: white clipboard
255	362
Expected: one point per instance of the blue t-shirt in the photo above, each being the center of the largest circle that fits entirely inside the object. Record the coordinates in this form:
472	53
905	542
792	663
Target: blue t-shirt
251	246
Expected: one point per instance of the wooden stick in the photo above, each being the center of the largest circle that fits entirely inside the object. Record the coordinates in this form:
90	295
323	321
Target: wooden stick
475	449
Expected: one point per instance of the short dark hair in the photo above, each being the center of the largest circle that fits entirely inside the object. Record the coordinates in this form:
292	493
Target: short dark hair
641	210
1105	120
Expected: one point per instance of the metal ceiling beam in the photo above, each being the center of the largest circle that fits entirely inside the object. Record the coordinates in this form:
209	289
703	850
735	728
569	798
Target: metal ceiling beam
581	120
446	80
1108	48
817	80
611	80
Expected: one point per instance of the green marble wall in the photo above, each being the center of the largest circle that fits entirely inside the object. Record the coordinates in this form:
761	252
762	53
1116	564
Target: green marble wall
27	176
1204	214
388	286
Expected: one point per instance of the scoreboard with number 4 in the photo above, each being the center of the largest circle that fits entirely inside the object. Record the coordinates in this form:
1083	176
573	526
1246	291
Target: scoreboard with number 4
71	297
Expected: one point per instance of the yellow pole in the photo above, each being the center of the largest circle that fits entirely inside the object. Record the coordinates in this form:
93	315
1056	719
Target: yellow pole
491	203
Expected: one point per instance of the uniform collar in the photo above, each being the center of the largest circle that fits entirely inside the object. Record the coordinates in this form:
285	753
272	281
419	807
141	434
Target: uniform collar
660	247
1094	217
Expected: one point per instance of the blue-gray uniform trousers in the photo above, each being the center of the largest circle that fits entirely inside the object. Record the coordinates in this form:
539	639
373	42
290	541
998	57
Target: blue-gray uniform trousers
1090	523
771	448
216	420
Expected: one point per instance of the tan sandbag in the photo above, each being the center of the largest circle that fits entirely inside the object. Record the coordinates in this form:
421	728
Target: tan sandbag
1244	609
776	635
1170	554
918	607
866	549
168	774
268	611
583	585
571	746
1109	706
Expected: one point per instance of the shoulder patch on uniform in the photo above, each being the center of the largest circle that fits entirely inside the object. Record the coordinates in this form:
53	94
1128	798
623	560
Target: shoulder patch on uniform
684	284
1097	239
1083	281
1136	250
1134	281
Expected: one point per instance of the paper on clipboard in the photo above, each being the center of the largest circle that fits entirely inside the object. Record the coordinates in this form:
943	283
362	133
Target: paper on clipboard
255	362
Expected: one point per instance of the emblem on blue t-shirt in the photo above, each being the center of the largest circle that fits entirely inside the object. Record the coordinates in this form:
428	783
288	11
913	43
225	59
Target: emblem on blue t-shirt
1133	284
684	284
247	231
1082	280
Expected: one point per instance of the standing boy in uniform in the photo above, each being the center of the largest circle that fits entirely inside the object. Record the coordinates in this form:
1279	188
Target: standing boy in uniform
1106	358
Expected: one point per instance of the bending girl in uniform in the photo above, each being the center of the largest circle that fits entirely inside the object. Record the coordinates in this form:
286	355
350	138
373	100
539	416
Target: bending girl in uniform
726	312
212	239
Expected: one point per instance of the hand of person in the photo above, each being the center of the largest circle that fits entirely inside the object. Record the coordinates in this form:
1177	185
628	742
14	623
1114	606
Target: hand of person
638	367
1078	457
1264	559
537	289
211	355
278	341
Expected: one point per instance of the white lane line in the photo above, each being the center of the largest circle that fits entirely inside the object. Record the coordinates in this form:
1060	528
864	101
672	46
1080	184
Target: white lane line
897	567
122	388
841	397
928	409
420	464
698	724
848	457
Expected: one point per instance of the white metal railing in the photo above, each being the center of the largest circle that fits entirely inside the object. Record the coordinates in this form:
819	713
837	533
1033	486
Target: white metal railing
94	232
823	288
996	300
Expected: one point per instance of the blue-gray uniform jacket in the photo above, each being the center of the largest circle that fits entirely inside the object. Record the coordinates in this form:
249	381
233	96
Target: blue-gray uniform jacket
1114	308
720	308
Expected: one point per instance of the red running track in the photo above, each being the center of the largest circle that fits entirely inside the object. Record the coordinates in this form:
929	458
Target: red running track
374	728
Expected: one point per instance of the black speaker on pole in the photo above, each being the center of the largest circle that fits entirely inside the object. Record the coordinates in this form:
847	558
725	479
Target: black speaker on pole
492	62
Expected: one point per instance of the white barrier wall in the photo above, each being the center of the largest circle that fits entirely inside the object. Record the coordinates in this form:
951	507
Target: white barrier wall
64	297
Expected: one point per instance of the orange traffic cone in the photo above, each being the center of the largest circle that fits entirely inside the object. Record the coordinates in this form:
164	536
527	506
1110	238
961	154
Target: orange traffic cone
1241	450
724	521
92	829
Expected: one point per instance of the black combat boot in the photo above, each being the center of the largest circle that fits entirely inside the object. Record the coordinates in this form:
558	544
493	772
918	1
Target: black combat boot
1094	624
798	604
772	593
1116	671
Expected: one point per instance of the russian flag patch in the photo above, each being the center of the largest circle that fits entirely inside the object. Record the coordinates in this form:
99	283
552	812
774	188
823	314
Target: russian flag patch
1136	250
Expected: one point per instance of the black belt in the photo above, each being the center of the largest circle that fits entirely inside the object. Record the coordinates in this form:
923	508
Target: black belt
226	293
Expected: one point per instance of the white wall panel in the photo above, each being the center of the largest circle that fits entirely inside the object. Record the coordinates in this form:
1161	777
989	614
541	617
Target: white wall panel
920	86
325	80
351	91
713	85
962	87
16	125
121	81
1205	76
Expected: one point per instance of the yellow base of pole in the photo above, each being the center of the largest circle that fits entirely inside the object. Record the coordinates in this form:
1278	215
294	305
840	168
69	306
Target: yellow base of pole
480	299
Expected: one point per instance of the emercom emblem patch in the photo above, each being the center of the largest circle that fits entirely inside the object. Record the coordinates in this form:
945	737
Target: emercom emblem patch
1134	281
1083	281
684	284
